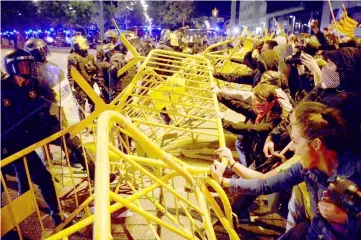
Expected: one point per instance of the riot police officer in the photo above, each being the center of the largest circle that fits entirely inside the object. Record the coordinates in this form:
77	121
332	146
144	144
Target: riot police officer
25	120
85	64
117	83
102	77
48	75
111	36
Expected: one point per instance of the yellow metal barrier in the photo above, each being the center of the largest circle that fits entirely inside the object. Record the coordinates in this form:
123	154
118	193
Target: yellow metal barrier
220	55
171	86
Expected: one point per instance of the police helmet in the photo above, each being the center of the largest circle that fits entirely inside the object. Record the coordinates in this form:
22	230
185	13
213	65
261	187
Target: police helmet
132	38
38	49
79	43
107	49
19	62
121	48
111	36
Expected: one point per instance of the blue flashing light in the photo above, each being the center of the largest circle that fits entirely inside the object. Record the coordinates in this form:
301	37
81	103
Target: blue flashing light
30	31
14	31
52	29
39	31
6	32
144	29
217	28
159	29
1	33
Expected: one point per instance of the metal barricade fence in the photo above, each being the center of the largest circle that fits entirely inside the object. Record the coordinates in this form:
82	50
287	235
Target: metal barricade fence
220	55
68	197
169	84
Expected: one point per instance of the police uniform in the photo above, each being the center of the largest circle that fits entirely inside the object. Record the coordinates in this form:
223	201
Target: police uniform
102	79
118	84
25	120
86	67
48	76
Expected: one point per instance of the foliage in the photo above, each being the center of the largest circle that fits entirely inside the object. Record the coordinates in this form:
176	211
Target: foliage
74	13
172	12
20	15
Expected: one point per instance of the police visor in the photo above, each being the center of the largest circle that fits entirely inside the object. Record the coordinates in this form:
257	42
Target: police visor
20	66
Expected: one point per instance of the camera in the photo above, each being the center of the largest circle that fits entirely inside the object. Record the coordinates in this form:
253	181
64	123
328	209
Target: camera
346	194
310	48
294	58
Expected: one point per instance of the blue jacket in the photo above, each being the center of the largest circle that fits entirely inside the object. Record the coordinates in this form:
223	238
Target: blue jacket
349	168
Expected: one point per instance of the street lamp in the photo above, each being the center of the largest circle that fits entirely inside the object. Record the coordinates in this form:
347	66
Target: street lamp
293	22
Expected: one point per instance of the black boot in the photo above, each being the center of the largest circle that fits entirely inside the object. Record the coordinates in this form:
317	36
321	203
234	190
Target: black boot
74	161
56	218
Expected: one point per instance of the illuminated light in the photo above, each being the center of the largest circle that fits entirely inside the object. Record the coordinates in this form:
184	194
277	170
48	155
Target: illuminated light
39	31
30	31
49	39
19	14
236	29
159	29
207	24
70	8
291	16
217	28
144	29
52	29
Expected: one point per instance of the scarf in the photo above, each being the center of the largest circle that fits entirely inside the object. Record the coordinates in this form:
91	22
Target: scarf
262	109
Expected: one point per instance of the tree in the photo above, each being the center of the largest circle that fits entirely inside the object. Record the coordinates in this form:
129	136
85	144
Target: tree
20	16
173	12
124	12
67	14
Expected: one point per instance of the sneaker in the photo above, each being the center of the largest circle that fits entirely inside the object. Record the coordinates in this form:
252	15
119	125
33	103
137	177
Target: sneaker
75	165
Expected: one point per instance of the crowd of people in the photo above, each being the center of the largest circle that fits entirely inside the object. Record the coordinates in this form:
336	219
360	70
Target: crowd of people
305	90
305	101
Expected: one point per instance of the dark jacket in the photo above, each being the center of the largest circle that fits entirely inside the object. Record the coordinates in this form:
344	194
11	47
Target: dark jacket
250	78
247	60
257	132
325	45
348	62
268	60
26	116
